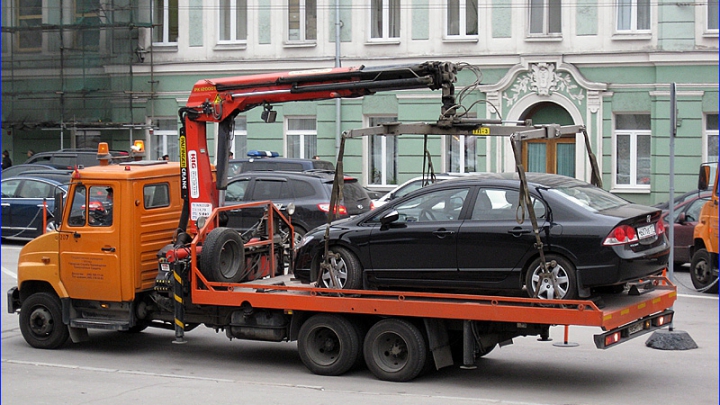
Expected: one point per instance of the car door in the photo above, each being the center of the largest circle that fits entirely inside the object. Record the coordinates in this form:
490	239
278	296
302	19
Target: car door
9	190
420	247
26	208
683	230
491	243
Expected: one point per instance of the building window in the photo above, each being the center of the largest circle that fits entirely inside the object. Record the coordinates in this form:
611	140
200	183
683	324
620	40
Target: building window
461	153
302	20
301	137
462	18
240	138
165	140
712	15
87	15
165	22
711	138
384	19
632	151
233	21
29	15
633	15
383	154
545	17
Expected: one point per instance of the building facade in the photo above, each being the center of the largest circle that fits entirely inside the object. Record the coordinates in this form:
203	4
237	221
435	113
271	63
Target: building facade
77	72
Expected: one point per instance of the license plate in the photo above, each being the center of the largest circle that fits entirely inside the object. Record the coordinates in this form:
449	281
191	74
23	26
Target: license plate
646	231
635	328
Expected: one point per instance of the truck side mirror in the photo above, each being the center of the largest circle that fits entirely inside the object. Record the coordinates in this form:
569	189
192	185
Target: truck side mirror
58	209
704	177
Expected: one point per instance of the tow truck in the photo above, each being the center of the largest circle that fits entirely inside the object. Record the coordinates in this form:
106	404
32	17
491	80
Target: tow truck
704	252
166	259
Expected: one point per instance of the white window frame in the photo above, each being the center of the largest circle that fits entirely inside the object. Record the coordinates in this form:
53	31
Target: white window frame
633	185
165	24
239	137
707	133
384	181
233	21
462	157
385	15
461	20
163	137
546	8
303	20
633	18
302	133
708	13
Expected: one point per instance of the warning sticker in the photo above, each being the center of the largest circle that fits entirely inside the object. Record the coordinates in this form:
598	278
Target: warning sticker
198	210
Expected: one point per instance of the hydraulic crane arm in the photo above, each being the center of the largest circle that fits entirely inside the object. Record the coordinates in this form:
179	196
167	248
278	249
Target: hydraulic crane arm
221	100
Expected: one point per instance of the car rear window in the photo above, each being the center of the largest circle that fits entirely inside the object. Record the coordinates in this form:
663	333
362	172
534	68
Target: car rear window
590	198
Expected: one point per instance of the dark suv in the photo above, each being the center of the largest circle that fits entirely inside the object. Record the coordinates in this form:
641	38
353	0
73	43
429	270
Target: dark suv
71	158
309	191
269	161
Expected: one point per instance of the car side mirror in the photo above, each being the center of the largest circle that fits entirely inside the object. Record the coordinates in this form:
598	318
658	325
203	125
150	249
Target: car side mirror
681	219
390	217
704	177
58	208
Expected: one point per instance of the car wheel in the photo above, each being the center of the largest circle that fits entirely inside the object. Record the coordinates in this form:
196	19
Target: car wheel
558	283
346	267
41	322
702	274
223	256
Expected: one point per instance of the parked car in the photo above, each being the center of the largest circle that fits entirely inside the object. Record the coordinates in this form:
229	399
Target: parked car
410	185
687	213
269	161
309	192
22	202
682	198
463	234
71	158
30	167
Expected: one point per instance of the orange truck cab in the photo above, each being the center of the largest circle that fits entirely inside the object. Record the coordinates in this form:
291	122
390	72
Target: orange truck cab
103	257
704	265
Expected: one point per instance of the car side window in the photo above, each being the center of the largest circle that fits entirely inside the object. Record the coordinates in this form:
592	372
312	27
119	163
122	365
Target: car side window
77	212
496	204
693	212
9	188
34	189
439	205
236	190
266	189
100	206
301	188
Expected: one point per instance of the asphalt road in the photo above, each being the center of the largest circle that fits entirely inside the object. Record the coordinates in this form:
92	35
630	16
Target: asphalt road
117	368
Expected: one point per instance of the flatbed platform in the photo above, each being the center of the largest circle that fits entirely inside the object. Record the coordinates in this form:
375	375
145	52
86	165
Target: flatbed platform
286	293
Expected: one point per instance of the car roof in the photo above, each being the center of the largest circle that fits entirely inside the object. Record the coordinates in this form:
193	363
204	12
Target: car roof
57	182
549	180
324	175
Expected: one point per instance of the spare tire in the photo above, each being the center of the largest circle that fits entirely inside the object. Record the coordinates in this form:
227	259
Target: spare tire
223	256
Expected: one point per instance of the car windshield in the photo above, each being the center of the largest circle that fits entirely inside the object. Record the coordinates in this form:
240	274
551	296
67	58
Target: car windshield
589	197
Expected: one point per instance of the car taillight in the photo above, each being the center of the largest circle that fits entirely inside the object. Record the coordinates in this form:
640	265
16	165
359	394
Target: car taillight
372	205
622	234
339	209
660	228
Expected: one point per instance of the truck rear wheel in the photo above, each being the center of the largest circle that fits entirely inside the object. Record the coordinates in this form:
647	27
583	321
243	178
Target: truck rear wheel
701	272
395	350
329	344
223	256
41	322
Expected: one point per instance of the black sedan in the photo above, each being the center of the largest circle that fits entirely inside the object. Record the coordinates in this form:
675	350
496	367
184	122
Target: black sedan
22	205
465	234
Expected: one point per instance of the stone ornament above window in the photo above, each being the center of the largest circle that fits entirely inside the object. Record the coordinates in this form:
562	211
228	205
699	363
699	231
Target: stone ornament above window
543	79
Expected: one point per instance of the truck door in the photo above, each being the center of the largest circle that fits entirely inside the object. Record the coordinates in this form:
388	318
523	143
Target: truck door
89	261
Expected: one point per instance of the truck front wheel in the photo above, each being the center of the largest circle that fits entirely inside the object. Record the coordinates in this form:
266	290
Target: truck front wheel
704	277
41	322
329	344
395	350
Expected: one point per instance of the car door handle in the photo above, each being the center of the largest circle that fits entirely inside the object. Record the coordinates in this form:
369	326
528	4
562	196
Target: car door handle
108	249
442	233
519	231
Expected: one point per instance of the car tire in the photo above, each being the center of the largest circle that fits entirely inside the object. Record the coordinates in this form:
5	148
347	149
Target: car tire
348	270
701	272
223	256
564	274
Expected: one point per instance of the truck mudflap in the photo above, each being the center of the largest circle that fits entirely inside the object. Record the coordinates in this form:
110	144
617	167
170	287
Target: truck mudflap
634	329
13	297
